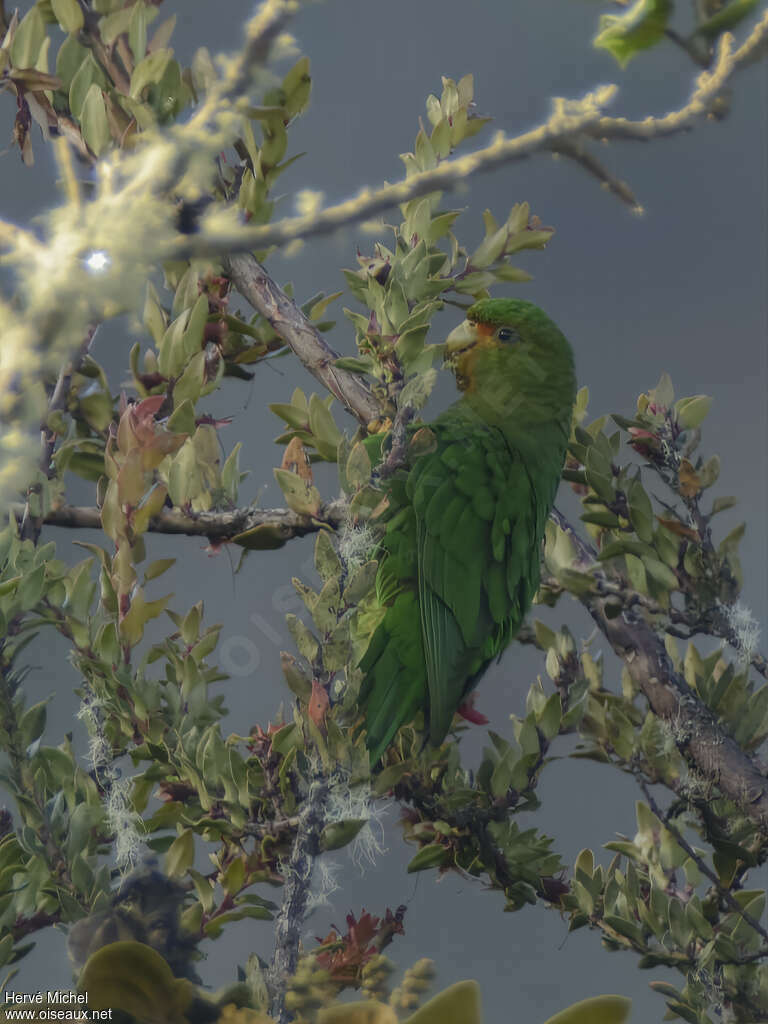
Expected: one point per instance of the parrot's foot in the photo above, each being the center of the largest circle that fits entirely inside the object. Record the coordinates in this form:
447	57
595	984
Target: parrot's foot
468	712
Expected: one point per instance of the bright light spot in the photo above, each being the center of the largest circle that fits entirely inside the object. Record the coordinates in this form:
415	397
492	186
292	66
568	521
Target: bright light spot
97	261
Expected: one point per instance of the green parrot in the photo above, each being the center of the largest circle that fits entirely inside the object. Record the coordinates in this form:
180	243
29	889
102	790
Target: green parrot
459	562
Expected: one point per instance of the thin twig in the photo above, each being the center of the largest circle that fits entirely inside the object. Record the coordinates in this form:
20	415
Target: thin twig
574	150
569	120
91	36
30	526
700	863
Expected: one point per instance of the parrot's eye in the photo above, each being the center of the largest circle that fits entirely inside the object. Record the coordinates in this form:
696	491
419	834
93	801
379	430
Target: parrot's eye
505	334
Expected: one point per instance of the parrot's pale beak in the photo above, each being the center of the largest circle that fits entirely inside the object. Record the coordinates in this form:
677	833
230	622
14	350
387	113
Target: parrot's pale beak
461	338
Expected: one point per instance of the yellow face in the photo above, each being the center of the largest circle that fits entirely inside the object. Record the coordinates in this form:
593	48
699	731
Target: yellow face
466	342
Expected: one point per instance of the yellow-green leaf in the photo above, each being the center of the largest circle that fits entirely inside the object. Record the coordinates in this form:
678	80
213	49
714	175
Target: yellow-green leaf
431	856
149	71
68	14
93	120
28	40
598	1010
458	1004
640	27
367	1012
181	854
133	977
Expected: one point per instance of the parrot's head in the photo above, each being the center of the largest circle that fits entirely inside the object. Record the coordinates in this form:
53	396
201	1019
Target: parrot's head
508	356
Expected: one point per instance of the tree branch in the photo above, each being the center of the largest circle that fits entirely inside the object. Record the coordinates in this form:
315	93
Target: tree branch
31	525
290	920
255	285
261	32
281	524
700	863
569	120
695	729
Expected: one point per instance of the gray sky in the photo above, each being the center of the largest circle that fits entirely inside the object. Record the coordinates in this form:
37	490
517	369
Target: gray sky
680	289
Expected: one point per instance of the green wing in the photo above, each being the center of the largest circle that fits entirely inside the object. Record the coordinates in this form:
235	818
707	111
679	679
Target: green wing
478	562
460	567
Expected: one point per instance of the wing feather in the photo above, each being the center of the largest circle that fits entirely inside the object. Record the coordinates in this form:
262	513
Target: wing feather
458	568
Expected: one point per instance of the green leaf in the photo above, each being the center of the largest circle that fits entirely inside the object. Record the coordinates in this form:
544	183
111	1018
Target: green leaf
32	723
358	468
68	60
340	833
68	14
115	24
600	518
265	537
458	1004
134	978
31	588
727	18
636	573
691	412
162	34
181	854
158	567
418	389
597	1010
326	608
88	74
303	638
93	121
137	31
640	510
182	419
28	40
549	719
360	583
295	416
149	71
214	927
298	682
490	249
300	496
354	364
327	435
641	27
720	504
432	856
233	879
189	387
